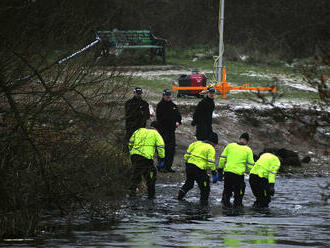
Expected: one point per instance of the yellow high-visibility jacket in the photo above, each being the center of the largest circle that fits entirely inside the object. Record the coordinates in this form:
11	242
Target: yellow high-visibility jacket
144	142
202	155
235	158
266	167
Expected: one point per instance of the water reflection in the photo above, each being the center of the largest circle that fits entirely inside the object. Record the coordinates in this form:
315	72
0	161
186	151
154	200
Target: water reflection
297	218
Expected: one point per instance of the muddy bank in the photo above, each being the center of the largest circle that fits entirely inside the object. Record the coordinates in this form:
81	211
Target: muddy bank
266	127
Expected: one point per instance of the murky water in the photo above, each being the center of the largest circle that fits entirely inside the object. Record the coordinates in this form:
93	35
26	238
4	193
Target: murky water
297	217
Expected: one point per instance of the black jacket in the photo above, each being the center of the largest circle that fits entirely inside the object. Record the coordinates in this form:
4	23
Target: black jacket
203	112
167	114
136	113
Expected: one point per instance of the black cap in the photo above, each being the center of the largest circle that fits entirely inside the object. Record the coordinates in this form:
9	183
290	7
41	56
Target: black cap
213	137
167	92
212	90
138	90
245	136
155	124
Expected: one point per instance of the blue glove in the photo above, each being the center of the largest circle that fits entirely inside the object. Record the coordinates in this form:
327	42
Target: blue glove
214	178
161	163
220	175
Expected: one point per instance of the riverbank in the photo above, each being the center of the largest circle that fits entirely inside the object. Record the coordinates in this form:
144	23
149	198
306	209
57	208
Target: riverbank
231	118
269	125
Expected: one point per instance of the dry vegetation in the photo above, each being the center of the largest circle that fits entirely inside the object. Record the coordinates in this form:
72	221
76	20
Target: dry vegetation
58	148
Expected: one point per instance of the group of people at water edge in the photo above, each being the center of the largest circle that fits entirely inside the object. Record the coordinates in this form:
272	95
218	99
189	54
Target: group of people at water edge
200	157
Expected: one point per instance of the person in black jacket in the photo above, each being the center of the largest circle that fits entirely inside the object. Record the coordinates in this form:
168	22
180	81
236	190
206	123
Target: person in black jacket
202	117
169	118
136	113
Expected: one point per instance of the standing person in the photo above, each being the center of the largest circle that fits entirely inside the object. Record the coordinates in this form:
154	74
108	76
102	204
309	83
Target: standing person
142	146
136	113
202	117
199	158
233	161
169	118
262	179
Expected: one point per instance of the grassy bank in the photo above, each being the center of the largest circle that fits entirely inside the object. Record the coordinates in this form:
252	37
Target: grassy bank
287	78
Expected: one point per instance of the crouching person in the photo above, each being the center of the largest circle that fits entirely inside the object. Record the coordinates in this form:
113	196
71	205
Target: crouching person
142	146
199	158
262	179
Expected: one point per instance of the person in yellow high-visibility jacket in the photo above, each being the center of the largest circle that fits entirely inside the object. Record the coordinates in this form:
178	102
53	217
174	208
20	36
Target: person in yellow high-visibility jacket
200	157
262	179
233	162
142	146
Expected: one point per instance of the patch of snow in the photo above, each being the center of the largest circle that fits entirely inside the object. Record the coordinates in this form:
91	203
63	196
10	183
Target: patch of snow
158	73
186	119
200	55
243	57
290	81
303	87
255	74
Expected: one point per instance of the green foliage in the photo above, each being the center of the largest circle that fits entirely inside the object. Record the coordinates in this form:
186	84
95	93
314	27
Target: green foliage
254	28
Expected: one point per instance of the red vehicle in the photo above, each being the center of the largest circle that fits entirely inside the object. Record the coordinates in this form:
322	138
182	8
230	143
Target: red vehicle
193	80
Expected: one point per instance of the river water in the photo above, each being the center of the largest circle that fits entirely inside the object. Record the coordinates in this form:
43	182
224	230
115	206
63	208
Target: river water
297	217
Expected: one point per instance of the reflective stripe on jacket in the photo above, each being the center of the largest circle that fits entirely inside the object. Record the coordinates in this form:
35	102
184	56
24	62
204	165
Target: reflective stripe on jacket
145	141
266	167
201	154
235	158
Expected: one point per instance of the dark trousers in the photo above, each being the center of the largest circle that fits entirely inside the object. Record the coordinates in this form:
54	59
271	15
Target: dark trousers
169	139
203	131
260	189
143	167
193	173
233	183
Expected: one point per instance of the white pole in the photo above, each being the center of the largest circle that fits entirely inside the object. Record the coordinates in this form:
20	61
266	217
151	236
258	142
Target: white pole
219	64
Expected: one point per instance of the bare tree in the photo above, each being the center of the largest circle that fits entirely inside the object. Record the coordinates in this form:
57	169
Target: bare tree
60	133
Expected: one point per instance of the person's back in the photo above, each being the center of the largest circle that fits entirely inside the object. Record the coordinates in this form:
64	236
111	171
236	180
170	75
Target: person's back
262	179
204	111
202	117
236	157
201	154
144	141
142	145
266	167
233	161
200	157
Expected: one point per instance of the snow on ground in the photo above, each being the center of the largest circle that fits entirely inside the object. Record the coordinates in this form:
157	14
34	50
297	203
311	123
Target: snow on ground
241	104
234	104
159	74
163	74
291	81
303	87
